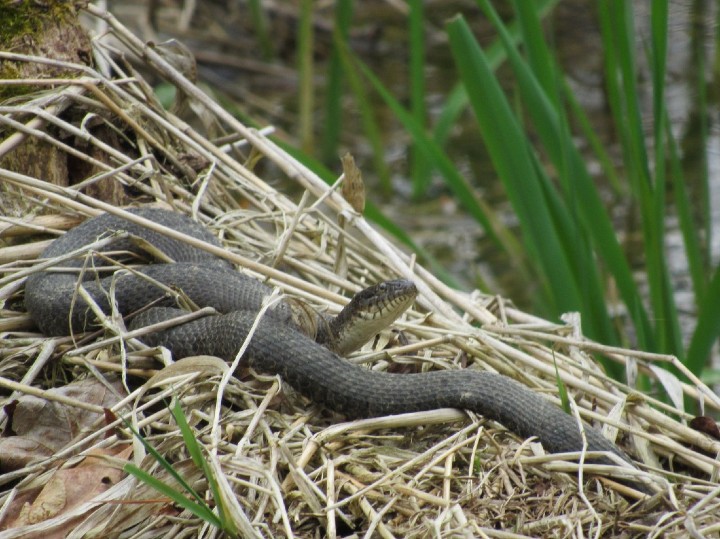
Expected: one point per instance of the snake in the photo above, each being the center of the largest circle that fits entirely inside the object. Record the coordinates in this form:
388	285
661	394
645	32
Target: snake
312	365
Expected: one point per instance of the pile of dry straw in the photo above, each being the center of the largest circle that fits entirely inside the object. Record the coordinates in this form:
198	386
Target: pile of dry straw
288	467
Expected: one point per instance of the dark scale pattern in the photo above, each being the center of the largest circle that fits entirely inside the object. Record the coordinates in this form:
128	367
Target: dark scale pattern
207	280
278	348
354	391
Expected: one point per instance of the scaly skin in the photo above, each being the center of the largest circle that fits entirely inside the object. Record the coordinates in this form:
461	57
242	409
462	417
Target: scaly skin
277	346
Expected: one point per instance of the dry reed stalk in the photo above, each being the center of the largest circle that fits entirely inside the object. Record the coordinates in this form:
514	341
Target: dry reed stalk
287	466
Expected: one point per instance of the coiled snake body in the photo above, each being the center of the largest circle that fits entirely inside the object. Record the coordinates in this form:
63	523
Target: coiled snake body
277	346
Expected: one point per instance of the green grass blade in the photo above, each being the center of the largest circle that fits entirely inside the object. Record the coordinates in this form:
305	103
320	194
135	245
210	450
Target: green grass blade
562	390
201	462
602	155
332	125
511	156
535	45
367	113
617	28
473	204
259	24
636	159
612	78
420	172
702	116
708	328
658	60
671	340
457	99
200	510
696	217
188	436
691	239
199	507
164	463
539	91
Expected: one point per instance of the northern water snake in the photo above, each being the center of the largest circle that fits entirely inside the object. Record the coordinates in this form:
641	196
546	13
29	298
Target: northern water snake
277	347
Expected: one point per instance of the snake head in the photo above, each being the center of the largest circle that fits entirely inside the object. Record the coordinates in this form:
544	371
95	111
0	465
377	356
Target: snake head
386	300
370	311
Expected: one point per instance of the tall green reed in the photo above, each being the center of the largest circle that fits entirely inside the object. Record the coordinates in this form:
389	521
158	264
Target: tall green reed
566	232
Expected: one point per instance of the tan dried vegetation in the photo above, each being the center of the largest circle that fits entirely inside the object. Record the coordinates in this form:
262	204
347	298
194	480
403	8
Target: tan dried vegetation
291	468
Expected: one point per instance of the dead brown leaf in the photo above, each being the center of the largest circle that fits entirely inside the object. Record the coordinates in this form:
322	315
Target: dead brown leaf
41	427
66	489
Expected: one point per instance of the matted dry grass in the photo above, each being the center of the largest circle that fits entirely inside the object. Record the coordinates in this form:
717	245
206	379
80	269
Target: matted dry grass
288	467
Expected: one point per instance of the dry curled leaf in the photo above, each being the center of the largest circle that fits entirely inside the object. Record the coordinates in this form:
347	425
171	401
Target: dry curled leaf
41	427
353	187
66	489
